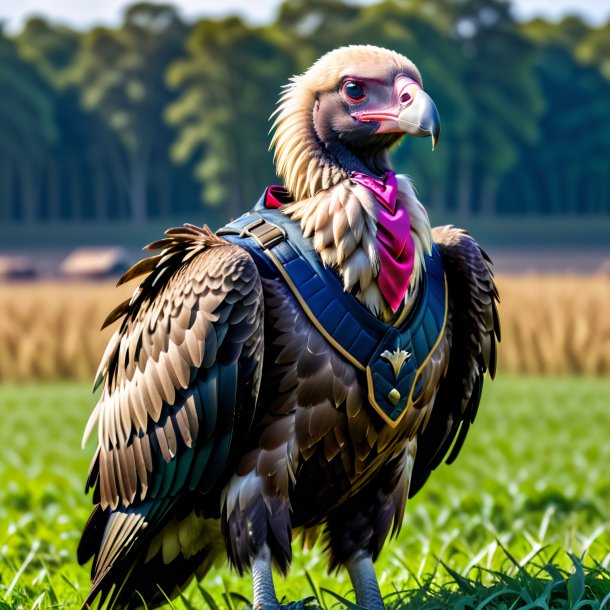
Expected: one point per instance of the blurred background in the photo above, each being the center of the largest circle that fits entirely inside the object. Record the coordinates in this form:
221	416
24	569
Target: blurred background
118	120
111	133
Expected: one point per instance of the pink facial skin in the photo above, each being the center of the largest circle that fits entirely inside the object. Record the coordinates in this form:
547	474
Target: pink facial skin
404	91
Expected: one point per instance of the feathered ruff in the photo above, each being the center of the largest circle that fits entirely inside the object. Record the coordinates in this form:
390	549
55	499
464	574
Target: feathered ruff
342	222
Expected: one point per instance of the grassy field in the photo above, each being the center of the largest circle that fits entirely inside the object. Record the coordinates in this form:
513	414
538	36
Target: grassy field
530	487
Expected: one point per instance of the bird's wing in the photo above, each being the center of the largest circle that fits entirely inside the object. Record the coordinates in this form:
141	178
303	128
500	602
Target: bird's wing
473	328
180	377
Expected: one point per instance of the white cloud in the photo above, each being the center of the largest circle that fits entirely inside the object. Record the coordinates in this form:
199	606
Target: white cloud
79	14
83	14
595	11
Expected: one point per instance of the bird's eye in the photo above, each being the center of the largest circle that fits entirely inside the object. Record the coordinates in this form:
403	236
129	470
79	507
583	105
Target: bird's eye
354	91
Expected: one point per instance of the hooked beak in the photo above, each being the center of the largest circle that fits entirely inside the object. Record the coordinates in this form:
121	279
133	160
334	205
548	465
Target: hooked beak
420	118
415	113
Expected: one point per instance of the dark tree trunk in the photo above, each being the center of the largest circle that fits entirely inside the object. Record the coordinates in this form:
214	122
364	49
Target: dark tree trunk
29	192
100	194
572	196
489	194
236	202
6	189
555	183
138	192
464	187
165	194
54	191
76	199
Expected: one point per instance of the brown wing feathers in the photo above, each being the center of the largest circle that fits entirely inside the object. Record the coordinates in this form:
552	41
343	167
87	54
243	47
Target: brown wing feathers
172	389
169	330
473	328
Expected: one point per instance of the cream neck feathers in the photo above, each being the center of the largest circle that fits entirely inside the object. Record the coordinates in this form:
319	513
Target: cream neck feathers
342	222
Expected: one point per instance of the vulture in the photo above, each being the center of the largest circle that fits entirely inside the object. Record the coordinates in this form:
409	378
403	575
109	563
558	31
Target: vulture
299	372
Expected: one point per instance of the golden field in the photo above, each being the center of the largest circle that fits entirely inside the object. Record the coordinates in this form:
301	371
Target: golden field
51	330
554	324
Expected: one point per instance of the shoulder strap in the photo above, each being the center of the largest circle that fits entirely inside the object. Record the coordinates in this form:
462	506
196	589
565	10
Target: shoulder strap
339	317
392	357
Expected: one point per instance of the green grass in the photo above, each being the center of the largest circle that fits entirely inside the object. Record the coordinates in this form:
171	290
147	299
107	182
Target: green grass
492	531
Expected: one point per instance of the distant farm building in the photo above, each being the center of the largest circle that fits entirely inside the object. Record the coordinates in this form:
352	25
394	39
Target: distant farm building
95	263
17	268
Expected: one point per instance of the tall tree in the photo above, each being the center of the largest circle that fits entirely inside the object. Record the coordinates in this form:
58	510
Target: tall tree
567	173
309	28
227	90
121	75
51	48
594	48
88	120
27	131
498	73
79	180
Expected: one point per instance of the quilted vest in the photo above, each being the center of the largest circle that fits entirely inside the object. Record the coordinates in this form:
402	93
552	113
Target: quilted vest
391	356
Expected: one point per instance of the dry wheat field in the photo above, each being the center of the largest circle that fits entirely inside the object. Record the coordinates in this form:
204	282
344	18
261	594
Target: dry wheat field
555	324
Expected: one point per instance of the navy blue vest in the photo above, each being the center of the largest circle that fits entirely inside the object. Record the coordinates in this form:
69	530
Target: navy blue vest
392	357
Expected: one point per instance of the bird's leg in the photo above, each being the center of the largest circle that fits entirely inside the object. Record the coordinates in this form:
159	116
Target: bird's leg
264	590
262	581
362	574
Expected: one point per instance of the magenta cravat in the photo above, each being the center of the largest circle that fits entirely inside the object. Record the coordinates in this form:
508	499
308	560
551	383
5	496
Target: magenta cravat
394	242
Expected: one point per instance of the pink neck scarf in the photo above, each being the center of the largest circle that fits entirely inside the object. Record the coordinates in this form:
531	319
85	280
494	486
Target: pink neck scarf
394	242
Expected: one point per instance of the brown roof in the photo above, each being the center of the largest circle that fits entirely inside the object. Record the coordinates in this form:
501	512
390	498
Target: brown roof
95	262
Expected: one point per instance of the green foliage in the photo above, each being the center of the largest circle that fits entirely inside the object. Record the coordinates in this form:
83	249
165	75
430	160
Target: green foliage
52	49
576	118
134	121
28	129
79	178
543	587
120	75
25	100
228	87
492	531
594	48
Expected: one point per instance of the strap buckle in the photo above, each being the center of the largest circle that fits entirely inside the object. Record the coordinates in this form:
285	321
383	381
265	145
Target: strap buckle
265	234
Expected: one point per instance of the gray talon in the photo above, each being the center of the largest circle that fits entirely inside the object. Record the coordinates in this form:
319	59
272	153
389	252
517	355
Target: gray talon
303	604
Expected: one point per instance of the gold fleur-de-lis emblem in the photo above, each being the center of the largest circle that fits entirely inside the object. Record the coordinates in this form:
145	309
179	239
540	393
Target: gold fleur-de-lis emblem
396	358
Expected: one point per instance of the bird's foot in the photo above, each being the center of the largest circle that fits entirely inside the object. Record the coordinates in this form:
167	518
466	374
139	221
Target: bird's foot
303	604
309	603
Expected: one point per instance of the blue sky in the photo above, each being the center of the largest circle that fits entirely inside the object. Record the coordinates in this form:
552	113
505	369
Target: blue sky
84	13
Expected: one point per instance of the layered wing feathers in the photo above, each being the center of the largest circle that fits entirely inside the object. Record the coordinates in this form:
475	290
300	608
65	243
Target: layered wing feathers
473	328
180	373
181	336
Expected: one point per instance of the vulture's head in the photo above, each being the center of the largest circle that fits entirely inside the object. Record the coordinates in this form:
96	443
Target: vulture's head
343	115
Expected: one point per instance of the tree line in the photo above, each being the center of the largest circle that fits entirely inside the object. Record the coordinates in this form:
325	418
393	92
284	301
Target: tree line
158	116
